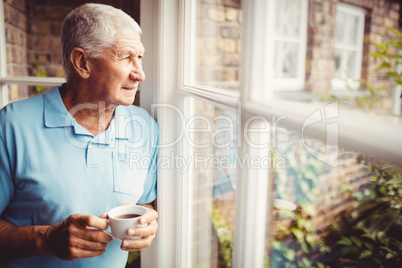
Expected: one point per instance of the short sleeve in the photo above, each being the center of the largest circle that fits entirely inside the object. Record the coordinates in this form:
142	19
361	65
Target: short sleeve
7	187
150	190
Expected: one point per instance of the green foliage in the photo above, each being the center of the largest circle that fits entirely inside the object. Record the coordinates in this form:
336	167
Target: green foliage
298	181
297	250
225	237
390	58
35	66
373	236
296	245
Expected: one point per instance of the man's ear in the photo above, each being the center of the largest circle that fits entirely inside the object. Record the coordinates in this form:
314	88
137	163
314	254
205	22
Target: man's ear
81	62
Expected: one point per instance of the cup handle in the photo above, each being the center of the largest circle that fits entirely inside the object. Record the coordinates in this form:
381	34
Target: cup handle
106	231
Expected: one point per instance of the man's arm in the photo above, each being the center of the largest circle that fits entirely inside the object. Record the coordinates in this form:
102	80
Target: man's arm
148	232
21	242
69	240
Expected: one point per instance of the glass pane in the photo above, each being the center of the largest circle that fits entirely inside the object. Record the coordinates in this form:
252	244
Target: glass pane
288	23
218	44
286	58
346	28
345	62
343	216
336	62
214	146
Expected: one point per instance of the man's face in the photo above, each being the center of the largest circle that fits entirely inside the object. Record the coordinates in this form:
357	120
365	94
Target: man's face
116	74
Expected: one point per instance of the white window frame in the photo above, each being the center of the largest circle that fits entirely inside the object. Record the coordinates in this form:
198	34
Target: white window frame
173	245
359	13
286	84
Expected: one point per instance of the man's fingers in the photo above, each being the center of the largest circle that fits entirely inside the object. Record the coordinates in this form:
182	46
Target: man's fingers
84	244
89	221
151	215
103	216
137	244
148	230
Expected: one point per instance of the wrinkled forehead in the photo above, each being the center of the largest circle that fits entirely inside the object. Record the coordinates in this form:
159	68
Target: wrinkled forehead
127	39
128	34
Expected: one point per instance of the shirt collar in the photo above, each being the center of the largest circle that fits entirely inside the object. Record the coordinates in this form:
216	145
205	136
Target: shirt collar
56	115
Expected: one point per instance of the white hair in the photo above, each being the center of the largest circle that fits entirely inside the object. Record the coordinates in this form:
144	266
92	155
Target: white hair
92	27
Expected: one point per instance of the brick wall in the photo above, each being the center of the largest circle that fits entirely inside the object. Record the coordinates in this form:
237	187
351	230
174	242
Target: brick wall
16	43
218	43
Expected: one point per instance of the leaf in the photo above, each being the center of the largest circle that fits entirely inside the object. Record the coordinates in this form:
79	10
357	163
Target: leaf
299	234
376	55
384	65
381	236
394	31
379	46
389	256
365	254
395	181
290	255
391	74
357	241
345	241
368	246
368	236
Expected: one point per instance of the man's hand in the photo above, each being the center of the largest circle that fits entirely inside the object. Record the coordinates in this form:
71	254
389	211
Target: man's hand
75	238
148	232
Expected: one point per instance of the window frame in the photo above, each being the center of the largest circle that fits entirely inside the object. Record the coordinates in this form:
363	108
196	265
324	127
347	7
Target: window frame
359	13
249	242
287	84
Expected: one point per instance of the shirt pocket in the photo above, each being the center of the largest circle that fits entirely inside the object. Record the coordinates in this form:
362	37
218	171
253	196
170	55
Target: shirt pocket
127	178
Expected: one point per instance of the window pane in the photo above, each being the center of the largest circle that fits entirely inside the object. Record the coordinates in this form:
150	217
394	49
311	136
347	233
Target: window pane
345	62
336	62
346	28
286	58
285	44
214	146
288	23
218	44
333	215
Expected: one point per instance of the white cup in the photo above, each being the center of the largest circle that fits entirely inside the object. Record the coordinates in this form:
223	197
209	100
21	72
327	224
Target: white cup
119	224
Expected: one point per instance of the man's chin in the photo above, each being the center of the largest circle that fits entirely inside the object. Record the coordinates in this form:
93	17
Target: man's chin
127	100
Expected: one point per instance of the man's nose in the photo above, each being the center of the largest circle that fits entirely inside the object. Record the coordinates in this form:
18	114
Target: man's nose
137	74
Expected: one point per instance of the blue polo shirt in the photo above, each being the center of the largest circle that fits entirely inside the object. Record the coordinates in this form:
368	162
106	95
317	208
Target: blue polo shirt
51	168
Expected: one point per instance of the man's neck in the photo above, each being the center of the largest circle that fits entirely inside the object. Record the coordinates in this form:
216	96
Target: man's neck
94	115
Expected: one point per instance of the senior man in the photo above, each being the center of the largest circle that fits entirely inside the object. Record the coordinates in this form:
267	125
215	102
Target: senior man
65	154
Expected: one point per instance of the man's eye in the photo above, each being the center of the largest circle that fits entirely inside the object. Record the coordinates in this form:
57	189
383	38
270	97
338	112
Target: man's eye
140	57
